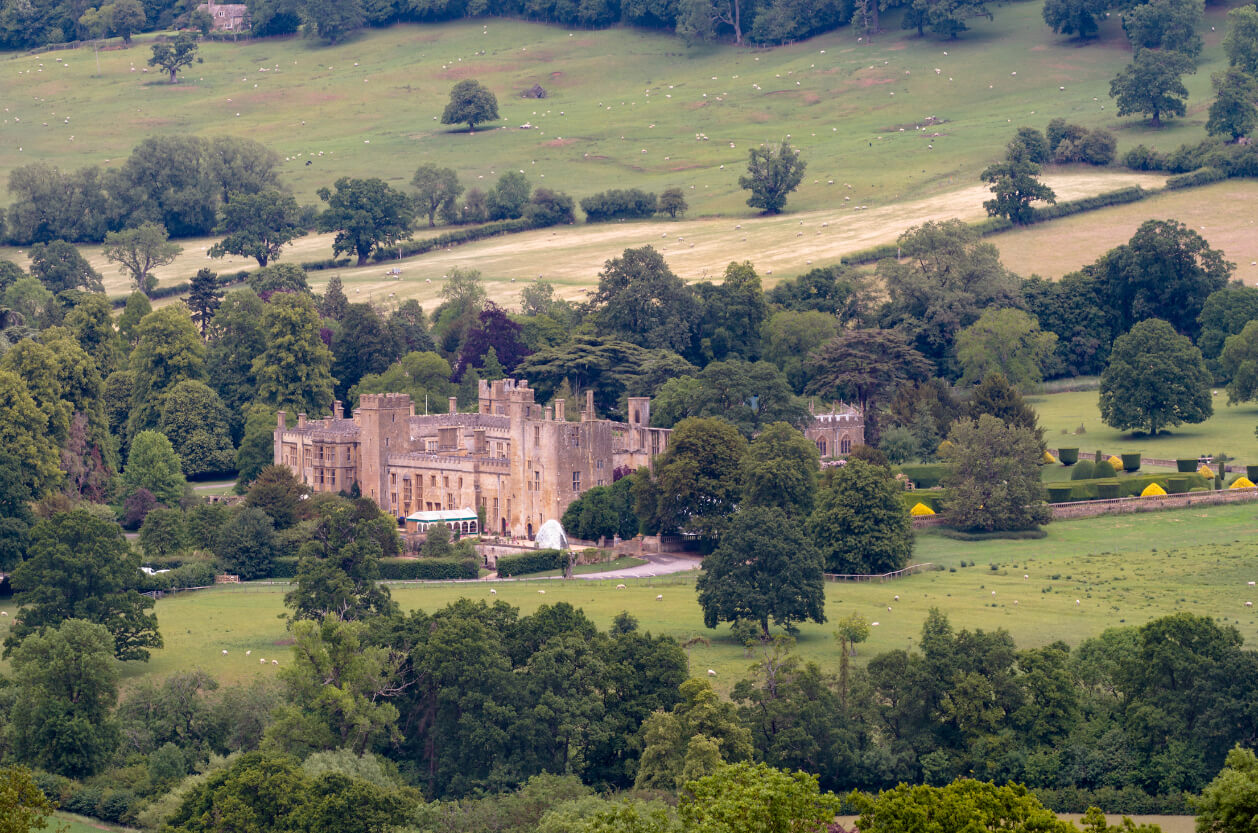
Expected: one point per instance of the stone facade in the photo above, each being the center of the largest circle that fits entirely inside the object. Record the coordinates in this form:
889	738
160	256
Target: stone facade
227	17
522	463
837	431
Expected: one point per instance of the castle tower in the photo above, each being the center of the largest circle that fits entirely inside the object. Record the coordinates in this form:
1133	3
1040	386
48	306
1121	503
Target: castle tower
385	429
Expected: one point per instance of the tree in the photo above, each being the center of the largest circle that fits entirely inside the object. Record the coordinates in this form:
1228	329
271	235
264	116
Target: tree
174	56
438	189
756	798
168	350
367	215
204	298
294	372
1015	185
963	805
1156	379
673	202
996	397
642	301
333	304
241	167
493	331
859	523
1075	17
331	20
764	568
472	103
700	729
138	306
23	806
509	196
258	225
139	251
549	208
257	444
1239	363
67	684
126	17
748	394
1167	25
80	567
246	544
60	266
993	477
772	174
865	367
696	485
364	345
1241	42
154	465
1230	801
697	20
278	493
780	470
1166	271
339	571
1151	84
195	420
1005	341
1233	113
1224	313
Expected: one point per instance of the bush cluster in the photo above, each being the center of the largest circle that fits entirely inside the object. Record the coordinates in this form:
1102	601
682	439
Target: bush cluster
430	569
627	203
1074	143
1232	160
541	561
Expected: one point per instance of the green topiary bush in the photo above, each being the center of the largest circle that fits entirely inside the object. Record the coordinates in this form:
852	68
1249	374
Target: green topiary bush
1104	469
1187	465
1059	492
1107	490
1176	484
542	561
1252	473
1068	456
1083	470
1131	462
428	569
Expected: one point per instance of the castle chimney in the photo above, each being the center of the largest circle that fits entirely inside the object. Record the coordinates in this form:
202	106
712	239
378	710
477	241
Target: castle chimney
279	420
454	404
301	421
589	401
338	410
560	411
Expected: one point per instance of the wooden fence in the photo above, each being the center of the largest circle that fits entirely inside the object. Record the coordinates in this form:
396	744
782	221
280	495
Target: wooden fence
892	576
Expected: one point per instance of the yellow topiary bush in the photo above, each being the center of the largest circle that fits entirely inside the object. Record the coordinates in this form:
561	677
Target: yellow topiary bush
921	510
1048	459
1116	462
1206	472
1242	482
1153	490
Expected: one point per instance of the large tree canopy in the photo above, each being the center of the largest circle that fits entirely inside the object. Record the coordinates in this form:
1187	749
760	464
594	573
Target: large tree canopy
1156	379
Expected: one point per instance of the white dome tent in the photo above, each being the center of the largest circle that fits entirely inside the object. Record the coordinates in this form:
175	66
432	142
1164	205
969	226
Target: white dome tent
551	536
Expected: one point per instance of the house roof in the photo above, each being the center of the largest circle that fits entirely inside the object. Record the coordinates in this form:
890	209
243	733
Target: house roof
440	515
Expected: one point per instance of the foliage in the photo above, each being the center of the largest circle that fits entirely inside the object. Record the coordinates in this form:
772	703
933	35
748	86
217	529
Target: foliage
773	172
67	684
640	300
1156	379
196	419
603	512
540	561
509	196
172	56
59	266
699	734
695	486
672	202
630	203
23	806
280	494
865	367
1229	801
750	395
246	544
963	804
438	189
1241	41
1167	25
1075	17
429	569
472	103
153	465
994	478
780	470
859	523
764	568
367	215
1233	113
24	434
756	798
1005	341
258	225
139	251
168	350
1014	184
294	372
1151	85
1224	313
80	567
1239	364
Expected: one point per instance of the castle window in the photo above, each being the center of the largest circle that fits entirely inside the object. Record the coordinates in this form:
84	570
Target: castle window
537	435
821	446
576	439
845	446
576	481
537	481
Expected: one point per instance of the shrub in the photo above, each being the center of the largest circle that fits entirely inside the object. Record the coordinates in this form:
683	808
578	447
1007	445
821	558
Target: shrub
1131	462
285	566
1083	470
1068	456
1059	492
541	561
924	475
1201	176
1187	465
428	569
1098	147
1103	469
1142	158
1176	484
630	203
1252	473
1107	490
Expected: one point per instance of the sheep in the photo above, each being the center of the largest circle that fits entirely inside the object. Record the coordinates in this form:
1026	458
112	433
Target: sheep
620	587
711	673
896	599
1249	604
1078	602
873	624
275	662
262	661
541	592
224	652
248	653
4	613
493	592
659	598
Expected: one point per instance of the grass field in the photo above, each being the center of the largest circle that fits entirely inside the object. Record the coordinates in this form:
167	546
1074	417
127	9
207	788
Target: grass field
624	109
1223	213
1121	569
1230	430
70	823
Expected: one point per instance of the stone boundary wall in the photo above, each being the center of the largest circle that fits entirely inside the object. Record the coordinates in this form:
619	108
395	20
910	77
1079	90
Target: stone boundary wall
1128	505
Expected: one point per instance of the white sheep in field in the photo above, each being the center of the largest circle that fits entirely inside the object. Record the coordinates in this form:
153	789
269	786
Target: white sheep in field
1249	604
224	652
896	599
275	662
248	653
4	613
711	673
620	587
659	598
541	592
262	661
493	592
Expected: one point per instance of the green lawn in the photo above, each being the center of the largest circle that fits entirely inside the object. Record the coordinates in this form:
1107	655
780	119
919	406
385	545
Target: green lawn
626	108
70	823
1122	570
1230	430
585	569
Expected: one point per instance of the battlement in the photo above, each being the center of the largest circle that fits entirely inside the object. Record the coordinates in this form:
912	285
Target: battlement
496	395
384	401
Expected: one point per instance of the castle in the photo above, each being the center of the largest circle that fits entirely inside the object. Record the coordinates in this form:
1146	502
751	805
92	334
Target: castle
514	462
518	462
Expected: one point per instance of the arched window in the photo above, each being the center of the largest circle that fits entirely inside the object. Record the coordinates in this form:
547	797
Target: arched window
636	417
845	445
822	446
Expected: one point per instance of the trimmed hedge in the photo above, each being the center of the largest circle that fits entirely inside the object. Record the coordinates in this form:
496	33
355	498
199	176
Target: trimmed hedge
1186	465
431	569
1006	535
1127	486
933	499
1107	489
618	203
1122	196
451	238
1068	456
1201	176
1059	492
1252	473
541	561
1131	462
1083	470
924	475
